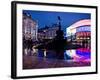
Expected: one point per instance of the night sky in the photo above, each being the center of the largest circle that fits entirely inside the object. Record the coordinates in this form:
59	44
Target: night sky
49	18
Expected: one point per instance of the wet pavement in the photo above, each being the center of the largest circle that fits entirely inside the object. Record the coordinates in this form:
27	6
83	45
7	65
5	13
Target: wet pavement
34	62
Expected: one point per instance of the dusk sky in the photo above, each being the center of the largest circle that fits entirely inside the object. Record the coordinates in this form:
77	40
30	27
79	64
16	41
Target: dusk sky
49	18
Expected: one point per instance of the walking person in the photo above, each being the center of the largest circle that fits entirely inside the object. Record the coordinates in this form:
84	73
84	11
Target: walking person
30	45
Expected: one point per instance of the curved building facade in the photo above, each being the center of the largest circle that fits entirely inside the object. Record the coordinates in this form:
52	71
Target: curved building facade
79	33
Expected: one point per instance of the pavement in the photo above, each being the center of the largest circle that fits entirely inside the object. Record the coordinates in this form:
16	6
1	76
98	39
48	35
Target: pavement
34	62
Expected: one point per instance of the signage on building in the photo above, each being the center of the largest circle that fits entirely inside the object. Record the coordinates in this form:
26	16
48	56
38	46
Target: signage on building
83	28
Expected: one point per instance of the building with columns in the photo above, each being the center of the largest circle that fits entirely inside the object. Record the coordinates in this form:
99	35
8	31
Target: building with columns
30	27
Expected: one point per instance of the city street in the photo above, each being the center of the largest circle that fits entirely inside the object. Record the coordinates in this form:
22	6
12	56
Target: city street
56	42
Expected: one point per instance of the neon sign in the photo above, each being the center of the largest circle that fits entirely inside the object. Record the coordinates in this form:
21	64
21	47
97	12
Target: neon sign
83	28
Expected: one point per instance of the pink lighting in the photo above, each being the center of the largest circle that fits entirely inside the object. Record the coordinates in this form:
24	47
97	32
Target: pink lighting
81	23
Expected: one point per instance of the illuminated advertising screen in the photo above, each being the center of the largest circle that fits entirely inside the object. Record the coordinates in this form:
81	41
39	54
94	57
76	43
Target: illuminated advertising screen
83	28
